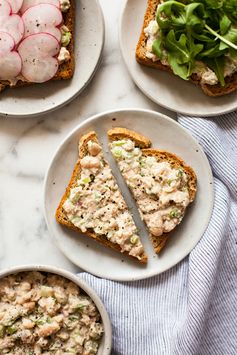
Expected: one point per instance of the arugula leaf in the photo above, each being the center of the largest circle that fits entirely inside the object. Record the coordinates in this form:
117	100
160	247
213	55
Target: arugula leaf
179	47
171	14
233	54
213	52
231	8
157	47
225	24
195	49
222	38
231	36
182	53
214	4
217	65
179	69
194	13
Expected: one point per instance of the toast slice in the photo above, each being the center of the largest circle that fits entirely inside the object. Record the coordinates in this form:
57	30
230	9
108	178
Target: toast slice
65	70
210	90
63	217
133	173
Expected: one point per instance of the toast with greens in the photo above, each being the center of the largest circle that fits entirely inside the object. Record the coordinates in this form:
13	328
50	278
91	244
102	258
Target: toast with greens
193	39
161	183
93	204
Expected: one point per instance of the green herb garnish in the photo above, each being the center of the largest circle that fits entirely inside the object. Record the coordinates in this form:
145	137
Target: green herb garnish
11	330
119	143
174	214
79	308
180	173
86	180
134	239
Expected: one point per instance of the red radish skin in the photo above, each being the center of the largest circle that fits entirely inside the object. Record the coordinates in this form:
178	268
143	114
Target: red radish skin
43	18
10	60
15	5
10	23
29	3
38	53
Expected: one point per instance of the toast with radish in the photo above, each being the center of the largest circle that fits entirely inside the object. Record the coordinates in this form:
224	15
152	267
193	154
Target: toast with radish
36	41
93	204
161	183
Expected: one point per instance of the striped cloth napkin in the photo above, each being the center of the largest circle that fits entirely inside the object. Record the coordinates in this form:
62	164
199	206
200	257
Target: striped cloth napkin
192	308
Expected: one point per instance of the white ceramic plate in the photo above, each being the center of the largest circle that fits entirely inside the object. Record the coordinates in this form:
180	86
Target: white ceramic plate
166	134
106	342
165	89
89	41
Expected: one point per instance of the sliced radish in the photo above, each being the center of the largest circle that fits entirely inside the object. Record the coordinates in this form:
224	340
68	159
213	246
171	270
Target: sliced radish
15	5
12	24
29	3
10	61
43	18
38	53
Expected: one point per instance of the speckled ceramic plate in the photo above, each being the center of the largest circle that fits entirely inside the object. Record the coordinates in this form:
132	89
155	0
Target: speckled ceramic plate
43	98
163	88
165	134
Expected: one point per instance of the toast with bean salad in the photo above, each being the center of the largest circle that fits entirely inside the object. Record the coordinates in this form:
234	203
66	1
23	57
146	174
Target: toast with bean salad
161	183
193	39
93	204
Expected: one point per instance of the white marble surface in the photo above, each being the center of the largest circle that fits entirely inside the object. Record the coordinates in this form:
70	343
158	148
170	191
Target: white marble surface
27	146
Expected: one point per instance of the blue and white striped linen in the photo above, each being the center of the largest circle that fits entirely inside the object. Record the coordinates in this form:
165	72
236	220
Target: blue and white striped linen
192	308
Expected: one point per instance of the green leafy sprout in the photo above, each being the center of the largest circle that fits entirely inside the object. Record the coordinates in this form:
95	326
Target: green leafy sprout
196	30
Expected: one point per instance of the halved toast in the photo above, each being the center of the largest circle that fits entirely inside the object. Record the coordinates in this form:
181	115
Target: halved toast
65	70
119	134
61	215
210	90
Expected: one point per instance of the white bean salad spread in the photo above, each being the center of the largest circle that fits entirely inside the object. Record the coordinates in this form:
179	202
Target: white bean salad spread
43	313
96	203
161	191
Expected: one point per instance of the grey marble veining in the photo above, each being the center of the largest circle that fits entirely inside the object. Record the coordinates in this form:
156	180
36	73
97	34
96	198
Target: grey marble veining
27	146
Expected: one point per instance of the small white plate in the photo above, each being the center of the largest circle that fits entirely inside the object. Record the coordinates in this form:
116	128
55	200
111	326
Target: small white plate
163	88
165	134
43	98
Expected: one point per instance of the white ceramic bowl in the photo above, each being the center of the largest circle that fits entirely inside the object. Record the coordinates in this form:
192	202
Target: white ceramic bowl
106	343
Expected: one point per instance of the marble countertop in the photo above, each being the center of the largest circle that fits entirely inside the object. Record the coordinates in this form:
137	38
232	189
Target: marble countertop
28	144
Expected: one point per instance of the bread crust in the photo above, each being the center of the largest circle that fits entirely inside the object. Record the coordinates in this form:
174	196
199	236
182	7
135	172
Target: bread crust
61	216
160	155
65	70
210	90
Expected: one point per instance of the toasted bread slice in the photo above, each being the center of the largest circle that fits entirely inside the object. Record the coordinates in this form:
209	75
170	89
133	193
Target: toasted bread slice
161	156
65	70
61	216
210	90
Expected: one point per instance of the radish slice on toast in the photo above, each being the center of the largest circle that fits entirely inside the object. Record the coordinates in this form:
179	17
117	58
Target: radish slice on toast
15	5
43	18
29	3
38	53
10	61
10	23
